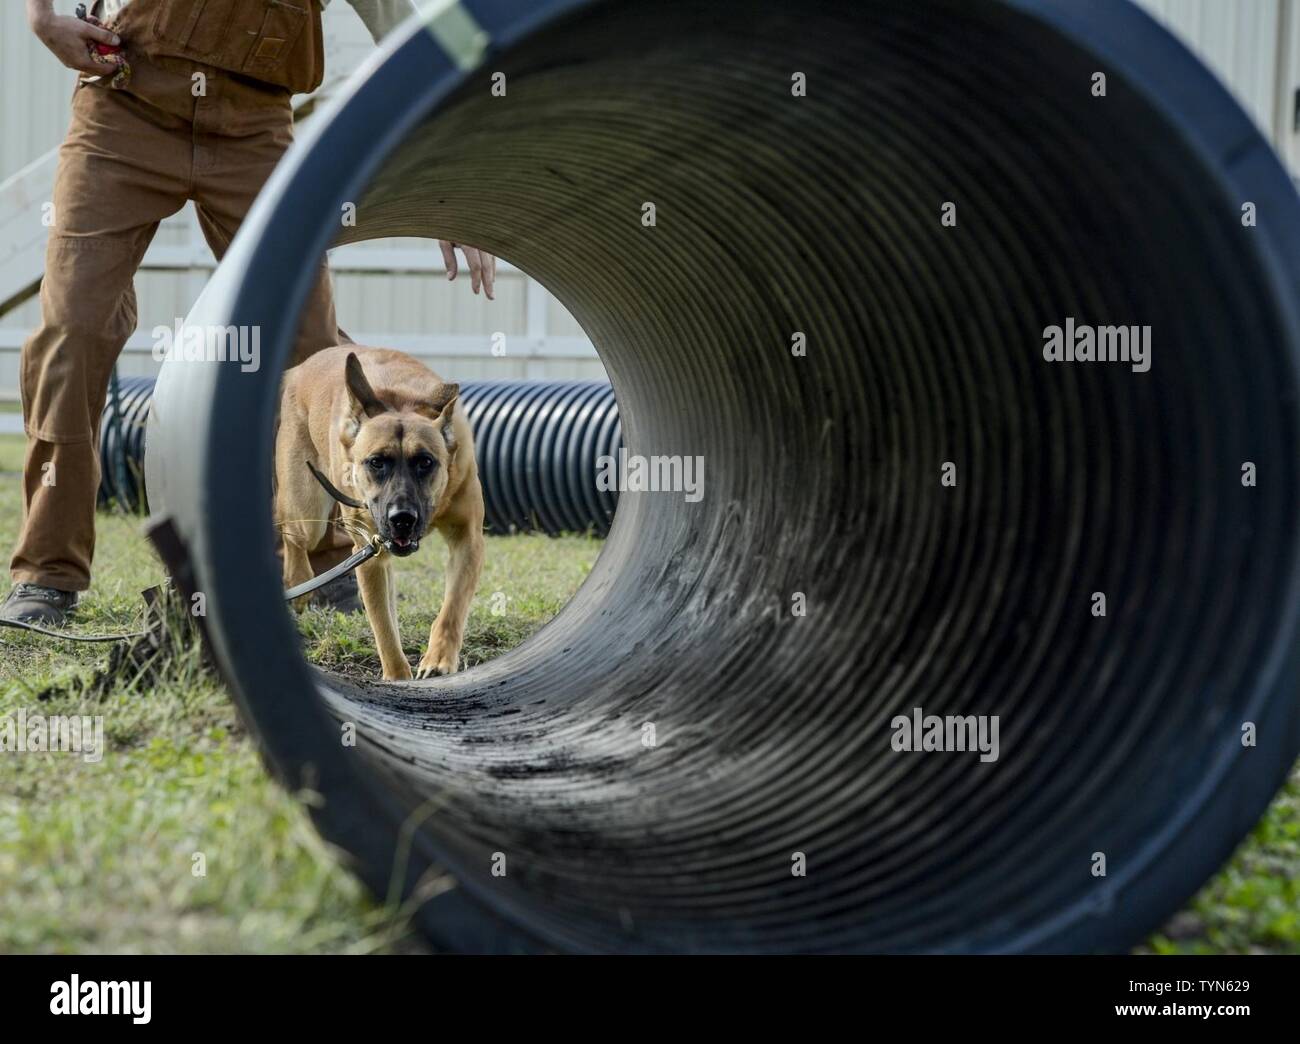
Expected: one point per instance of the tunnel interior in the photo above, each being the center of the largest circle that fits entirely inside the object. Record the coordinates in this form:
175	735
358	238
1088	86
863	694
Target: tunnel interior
652	764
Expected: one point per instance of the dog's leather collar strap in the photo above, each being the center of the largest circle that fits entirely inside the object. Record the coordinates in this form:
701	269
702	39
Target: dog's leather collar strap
333	490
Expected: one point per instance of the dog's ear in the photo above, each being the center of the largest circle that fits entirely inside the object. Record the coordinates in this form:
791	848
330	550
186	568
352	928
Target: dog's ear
443	409
361	396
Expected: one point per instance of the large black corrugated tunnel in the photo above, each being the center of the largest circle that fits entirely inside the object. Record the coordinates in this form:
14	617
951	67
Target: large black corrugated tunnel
654	769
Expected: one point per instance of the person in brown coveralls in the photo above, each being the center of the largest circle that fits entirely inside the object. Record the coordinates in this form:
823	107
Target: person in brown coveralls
194	106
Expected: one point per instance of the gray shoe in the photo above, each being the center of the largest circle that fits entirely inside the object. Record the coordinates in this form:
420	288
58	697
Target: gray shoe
34	604
342	595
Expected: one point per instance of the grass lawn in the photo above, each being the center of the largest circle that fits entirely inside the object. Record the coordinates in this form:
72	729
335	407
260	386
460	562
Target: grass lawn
99	857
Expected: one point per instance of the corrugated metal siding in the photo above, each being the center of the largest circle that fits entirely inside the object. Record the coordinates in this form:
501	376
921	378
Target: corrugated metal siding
412	304
1238	40
36	90
1288	92
375	305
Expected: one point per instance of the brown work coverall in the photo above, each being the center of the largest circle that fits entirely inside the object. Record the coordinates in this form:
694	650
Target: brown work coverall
132	157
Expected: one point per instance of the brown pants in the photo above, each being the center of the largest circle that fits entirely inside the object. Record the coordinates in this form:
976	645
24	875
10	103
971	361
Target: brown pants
131	158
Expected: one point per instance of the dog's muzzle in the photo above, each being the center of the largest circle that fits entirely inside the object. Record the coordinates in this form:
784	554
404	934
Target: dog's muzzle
403	536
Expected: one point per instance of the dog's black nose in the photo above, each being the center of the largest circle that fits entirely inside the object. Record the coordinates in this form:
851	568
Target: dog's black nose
402	523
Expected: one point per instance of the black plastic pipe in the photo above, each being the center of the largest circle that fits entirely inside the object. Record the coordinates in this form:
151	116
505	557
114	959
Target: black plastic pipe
653	769
121	445
540	446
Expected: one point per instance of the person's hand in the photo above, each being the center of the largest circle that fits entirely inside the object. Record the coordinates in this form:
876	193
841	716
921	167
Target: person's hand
69	38
482	266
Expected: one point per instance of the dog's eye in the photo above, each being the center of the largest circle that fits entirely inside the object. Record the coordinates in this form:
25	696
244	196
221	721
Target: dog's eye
377	464
423	464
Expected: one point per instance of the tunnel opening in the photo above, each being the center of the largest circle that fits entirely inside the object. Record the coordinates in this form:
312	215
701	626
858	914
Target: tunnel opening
945	500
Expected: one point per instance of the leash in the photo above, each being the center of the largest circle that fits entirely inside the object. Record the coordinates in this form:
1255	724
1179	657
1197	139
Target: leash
18	625
375	546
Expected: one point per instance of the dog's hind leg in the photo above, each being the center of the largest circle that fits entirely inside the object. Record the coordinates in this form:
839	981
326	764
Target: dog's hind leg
375	579
464	563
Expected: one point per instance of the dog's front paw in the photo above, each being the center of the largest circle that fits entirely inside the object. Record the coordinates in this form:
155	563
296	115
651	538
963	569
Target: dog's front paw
398	672
438	660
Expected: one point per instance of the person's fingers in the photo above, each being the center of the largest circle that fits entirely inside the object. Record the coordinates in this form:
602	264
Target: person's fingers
448	257
79	58
475	267
482	266
99	35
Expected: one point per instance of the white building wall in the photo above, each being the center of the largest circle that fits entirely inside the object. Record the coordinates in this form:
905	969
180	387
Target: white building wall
1253	45
419	311
35	91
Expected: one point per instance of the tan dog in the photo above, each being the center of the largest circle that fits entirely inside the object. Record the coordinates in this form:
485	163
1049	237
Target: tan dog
385	430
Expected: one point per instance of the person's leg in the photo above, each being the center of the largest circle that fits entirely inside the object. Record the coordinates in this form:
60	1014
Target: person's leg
243	130
122	168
